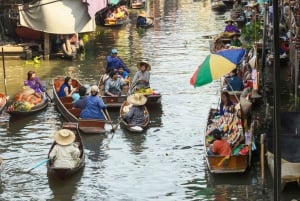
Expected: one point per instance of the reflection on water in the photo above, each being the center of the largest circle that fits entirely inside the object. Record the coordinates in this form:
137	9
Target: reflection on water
163	163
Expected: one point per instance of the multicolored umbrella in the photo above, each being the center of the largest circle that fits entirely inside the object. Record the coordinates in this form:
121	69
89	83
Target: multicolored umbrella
217	65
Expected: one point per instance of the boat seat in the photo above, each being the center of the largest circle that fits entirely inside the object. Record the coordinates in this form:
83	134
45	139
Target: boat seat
75	111
68	105
66	99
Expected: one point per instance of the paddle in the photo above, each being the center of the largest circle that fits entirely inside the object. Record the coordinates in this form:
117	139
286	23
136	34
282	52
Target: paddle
4	74
51	100
112	127
38	164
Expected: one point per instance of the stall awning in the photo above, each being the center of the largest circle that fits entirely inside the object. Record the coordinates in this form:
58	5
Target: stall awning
59	16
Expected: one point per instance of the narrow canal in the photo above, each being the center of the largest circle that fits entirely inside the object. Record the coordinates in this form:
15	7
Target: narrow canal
164	163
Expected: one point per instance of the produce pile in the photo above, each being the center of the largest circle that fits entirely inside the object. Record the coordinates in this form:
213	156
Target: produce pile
144	91
22	106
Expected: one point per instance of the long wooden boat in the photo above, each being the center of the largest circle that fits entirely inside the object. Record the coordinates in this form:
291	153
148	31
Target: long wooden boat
3	102
65	107
66	172
149	23
125	109
153	98
21	113
137	4
289	146
240	159
114	22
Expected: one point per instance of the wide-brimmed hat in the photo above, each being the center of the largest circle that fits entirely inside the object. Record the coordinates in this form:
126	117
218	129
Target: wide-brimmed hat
142	14
64	137
229	19
137	99
148	67
26	90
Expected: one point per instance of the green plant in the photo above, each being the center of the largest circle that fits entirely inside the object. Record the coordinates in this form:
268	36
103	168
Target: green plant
252	32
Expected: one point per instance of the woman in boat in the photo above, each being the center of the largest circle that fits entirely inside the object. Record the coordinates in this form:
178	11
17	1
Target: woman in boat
141	19
234	82
135	116
65	153
94	105
142	77
33	82
114	84
226	104
66	89
230	28
235	41
220	146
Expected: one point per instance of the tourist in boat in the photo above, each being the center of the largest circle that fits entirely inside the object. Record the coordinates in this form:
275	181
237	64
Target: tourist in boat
114	84
230	28
34	82
81	102
135	116
65	153
114	62
234	82
220	146
235	41
141	19
66	89
94	105
226	105
141	78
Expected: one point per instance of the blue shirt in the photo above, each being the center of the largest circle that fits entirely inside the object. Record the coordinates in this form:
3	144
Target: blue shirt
92	110
81	103
115	63
61	92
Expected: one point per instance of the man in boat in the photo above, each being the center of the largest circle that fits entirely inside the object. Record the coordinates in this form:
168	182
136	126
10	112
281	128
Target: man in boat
65	153
234	82
135	116
114	62
81	103
220	146
114	85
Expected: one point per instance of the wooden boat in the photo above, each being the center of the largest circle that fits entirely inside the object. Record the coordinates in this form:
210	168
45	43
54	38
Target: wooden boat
3	102
14	111
289	146
65	172
137	4
240	159
219	6
65	107
153	98
124	109
114	22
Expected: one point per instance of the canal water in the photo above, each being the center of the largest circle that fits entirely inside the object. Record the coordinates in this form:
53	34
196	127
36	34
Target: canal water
165	162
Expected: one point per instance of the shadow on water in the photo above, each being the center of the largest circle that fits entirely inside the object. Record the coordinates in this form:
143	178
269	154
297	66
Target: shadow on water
64	189
136	140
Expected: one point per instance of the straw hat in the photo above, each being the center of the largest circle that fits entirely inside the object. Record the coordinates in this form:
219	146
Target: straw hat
26	90
137	99
229	19
142	14
64	137
94	88
148	67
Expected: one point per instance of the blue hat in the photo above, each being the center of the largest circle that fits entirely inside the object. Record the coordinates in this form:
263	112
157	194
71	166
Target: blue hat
114	51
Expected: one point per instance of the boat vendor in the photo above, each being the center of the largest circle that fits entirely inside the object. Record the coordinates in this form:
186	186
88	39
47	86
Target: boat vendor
65	153
235	41
142	77
33	82
230	28
135	116
114	62
219	146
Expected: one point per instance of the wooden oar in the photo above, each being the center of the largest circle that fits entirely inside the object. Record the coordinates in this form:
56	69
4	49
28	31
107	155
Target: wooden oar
38	164
112	127
4	74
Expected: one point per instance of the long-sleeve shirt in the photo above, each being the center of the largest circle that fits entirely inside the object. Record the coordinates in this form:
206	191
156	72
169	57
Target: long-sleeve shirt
34	84
92	110
135	116
65	156
115	63
139	75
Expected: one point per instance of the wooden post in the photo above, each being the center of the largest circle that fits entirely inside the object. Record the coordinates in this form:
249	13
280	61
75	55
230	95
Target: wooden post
262	159
46	46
